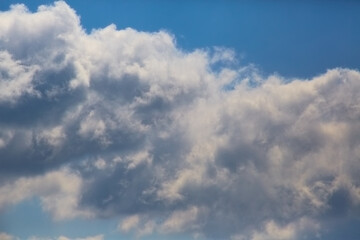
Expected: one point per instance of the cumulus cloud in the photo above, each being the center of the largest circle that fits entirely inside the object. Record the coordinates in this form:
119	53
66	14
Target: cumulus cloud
167	140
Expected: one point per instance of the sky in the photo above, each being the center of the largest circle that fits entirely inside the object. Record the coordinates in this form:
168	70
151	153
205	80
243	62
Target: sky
179	120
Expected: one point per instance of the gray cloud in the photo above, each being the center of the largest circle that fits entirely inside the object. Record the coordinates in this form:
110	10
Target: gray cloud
166	140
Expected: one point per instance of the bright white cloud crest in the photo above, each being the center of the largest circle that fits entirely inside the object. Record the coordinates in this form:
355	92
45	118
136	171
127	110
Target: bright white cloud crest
153	134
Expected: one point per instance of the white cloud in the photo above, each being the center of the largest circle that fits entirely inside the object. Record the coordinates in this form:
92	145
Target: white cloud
5	236
147	229
92	128
59	192
15	78
5	137
129	223
290	231
153	131
54	136
97	237
138	225
179	221
300	229
273	231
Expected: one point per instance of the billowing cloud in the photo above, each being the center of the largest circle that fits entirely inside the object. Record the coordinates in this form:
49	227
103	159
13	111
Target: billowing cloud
124	123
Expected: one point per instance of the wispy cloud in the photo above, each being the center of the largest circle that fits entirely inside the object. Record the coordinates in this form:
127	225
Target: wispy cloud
156	134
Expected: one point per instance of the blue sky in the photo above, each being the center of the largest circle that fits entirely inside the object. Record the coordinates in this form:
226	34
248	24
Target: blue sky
182	120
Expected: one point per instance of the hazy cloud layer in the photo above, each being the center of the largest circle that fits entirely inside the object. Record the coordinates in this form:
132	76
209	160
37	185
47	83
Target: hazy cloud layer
123	123
97	237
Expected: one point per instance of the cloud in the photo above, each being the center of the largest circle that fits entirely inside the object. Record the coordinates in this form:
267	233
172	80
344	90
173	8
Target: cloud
5	236
15	79
178	221
97	237
129	223
59	192
123	123
272	230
